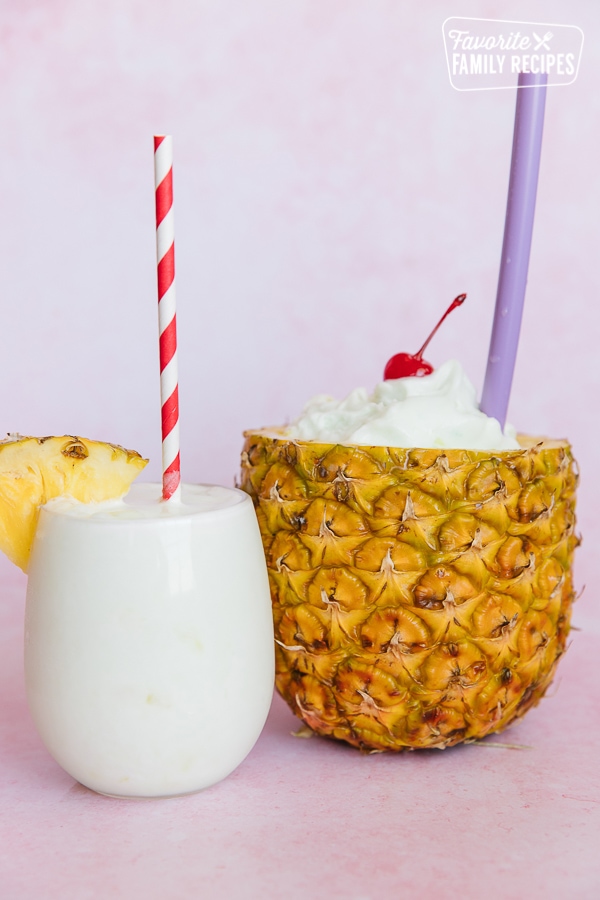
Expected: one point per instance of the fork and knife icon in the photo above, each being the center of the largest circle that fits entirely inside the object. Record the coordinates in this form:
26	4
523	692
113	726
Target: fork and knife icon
542	41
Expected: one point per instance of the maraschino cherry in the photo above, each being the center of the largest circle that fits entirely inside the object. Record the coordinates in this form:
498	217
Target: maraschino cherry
402	365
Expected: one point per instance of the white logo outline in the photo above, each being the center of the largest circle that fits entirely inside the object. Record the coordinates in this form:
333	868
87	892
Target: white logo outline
547	36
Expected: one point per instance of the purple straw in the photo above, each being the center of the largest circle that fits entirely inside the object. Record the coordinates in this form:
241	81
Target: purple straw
518	228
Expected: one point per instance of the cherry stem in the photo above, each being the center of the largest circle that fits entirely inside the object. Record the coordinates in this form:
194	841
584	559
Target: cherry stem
458	301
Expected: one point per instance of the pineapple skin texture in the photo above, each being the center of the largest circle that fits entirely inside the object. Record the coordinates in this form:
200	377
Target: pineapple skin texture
421	598
34	470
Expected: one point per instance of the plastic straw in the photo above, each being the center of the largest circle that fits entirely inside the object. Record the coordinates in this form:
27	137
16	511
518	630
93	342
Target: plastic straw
167	323
518	228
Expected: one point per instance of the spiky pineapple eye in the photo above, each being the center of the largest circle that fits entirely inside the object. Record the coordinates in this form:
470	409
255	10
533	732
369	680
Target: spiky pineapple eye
75	450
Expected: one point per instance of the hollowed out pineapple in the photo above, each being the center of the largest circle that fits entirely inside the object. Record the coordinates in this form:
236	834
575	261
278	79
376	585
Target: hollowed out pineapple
35	470
420	597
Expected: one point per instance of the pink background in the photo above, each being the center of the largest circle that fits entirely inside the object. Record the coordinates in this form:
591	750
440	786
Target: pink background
333	193
323	162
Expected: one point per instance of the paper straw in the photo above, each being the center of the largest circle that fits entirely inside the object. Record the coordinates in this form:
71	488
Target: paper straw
518	228
167	328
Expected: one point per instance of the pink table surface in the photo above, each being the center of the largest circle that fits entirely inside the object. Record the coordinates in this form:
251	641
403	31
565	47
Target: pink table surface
313	818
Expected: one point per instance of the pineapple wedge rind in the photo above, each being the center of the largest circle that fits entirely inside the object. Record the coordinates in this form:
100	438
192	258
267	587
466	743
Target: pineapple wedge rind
420	597
35	470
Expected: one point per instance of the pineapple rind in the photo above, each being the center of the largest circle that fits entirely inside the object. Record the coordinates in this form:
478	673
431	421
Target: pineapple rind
420	597
35	470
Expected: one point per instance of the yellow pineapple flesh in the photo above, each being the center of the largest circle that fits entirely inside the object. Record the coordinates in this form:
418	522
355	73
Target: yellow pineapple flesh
35	470
420	597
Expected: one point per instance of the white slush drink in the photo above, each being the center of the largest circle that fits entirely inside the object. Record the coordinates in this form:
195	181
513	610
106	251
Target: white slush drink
149	639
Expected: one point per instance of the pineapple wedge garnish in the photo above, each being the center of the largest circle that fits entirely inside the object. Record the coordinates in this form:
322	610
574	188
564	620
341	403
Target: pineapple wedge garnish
35	470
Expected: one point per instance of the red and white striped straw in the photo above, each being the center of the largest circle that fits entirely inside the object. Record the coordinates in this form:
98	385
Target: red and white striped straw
167	327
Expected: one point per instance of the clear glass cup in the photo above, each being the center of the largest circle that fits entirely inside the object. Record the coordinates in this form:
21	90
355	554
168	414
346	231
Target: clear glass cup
149	639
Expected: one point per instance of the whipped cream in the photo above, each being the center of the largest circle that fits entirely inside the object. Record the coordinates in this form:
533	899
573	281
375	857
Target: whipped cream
437	410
